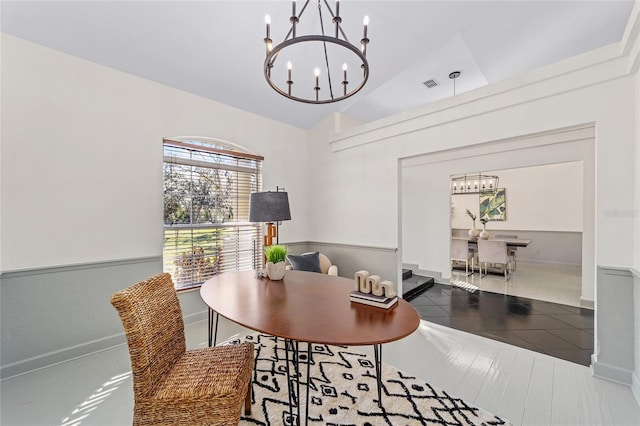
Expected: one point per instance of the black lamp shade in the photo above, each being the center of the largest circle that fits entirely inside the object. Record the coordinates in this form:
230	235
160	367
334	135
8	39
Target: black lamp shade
269	207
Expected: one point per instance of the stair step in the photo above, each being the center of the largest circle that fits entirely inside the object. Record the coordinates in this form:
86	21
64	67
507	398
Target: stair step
406	273
415	286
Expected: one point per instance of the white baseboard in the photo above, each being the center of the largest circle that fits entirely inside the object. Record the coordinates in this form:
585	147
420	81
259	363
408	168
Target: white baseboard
547	262
587	303
57	357
75	352
433	274
611	373
412	266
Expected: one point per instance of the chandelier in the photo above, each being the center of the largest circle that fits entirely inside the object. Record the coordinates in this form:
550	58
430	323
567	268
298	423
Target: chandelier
322	85
473	184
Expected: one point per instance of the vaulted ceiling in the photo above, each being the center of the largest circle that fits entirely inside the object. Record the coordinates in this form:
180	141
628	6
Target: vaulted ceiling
215	49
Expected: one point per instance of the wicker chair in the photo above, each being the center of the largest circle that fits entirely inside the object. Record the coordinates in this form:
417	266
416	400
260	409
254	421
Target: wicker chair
172	385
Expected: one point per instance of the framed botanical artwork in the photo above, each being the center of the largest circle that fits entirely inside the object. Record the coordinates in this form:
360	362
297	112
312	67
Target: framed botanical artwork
493	205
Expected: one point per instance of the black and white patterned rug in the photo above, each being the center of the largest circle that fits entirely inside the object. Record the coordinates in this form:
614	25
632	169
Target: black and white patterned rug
343	392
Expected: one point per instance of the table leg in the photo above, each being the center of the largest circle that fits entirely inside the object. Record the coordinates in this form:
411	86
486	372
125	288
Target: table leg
377	351
308	368
286	350
296	363
295	360
212	335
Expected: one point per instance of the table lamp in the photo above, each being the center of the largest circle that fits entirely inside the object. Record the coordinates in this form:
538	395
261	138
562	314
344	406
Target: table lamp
269	207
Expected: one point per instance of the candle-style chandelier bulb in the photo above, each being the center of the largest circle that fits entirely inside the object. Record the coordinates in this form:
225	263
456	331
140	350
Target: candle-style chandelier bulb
345	82
316	72
289	80
267	39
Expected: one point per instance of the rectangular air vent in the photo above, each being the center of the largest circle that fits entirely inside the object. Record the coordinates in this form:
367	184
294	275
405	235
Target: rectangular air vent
430	83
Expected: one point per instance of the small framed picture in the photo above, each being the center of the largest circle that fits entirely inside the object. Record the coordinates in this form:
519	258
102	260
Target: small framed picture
493	205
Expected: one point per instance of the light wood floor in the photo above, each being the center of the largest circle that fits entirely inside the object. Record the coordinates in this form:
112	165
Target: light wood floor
551	283
525	387
522	386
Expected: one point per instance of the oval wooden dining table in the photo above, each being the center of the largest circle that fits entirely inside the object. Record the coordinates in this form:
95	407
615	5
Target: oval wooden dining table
307	307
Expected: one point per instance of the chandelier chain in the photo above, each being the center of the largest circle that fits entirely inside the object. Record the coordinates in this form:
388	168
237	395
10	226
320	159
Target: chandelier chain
326	56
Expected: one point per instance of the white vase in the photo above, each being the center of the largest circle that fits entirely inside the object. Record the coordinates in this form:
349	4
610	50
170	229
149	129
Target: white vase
473	232
275	271
484	235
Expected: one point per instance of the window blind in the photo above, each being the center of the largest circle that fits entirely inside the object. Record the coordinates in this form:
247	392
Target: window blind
207	187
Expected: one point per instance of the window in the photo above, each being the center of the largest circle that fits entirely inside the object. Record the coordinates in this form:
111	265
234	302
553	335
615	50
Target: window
207	185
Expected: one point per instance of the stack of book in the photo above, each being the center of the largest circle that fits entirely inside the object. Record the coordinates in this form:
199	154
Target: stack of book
372	300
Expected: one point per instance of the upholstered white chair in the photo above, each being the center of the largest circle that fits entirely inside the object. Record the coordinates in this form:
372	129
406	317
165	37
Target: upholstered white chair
462	252
325	264
495	252
512	250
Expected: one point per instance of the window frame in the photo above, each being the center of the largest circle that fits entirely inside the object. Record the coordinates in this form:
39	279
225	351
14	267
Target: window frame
225	239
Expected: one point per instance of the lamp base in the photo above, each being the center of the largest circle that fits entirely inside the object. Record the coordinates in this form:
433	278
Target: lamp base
271	234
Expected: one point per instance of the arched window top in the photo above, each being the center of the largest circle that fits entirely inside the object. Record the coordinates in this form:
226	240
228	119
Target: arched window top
212	145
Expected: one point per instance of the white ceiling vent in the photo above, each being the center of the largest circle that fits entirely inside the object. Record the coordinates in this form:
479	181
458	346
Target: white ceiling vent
431	83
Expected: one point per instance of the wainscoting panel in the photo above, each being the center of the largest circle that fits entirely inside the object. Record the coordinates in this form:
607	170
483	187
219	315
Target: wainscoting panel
614	352
547	247
50	315
349	259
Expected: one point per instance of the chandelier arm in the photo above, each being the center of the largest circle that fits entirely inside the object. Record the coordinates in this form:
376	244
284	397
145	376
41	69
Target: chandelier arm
332	17
289	33
286	37
303	8
326	61
324	45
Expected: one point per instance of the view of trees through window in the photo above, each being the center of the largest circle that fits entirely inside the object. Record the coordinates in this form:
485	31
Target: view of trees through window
206	210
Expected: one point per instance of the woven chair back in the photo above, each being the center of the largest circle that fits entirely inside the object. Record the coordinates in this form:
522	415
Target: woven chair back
152	319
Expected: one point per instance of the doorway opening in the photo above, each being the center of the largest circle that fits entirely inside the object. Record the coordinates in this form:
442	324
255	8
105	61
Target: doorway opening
430	216
536	214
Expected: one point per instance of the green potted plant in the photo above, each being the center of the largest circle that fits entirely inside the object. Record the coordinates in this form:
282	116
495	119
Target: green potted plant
276	255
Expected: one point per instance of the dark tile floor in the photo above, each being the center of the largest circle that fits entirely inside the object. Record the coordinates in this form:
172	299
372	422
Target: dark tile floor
558	330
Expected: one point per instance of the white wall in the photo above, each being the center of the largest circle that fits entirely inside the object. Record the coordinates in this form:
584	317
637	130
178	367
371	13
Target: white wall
82	157
538	198
636	232
599	95
424	224
594	88
81	184
354	192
